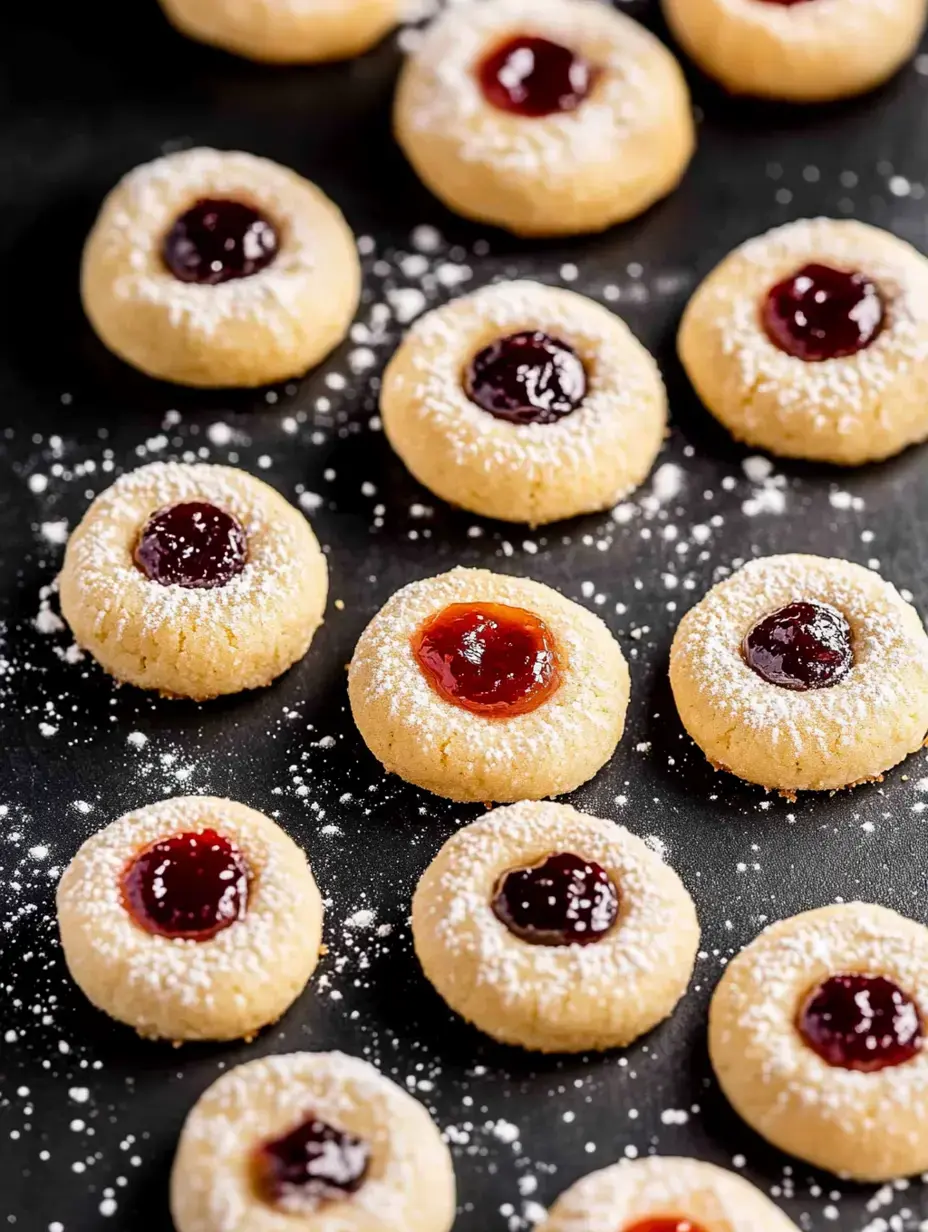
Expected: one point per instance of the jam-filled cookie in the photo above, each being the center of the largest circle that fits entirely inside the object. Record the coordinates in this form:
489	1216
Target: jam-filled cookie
803	674
812	341
554	930
195	580
192	919
816	1034
800	50
281	32
219	269
488	688
310	1142
545	117
525	402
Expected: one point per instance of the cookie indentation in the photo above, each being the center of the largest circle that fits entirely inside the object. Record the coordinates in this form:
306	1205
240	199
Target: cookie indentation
192	544
861	1022
313	1164
218	240
564	900
534	77
800	646
821	313
527	378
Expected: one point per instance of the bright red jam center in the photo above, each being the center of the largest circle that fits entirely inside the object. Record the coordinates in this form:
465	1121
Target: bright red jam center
801	646
217	240
862	1022
564	900
488	658
193	544
190	886
526	378
313	1164
663	1223
822	313
534	77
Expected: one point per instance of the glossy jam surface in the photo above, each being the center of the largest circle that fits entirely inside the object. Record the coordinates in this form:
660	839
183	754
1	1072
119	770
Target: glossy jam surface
822	313
526	378
862	1022
801	646
190	886
193	544
564	900
663	1223
533	77
217	240
313	1164
489	658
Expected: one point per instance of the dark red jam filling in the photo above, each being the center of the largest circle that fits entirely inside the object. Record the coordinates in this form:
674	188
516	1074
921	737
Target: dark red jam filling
785	3
526	378
801	646
217	240
488	658
533	77
862	1022
192	544
189	886
823	313
663	1223
564	900
313	1164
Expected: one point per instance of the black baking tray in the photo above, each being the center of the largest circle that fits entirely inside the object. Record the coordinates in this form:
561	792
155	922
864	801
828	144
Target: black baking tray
89	1115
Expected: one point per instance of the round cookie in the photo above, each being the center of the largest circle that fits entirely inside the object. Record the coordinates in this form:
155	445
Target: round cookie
526	403
480	687
839	688
192	919
812	341
284	31
195	580
848	983
554	930
800	50
217	268
545	117
702	1197
310	1142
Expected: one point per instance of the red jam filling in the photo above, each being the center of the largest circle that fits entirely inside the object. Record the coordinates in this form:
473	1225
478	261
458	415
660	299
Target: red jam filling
533	77
862	1022
218	240
564	900
313	1164
526	378
822	313
801	646
489	658
663	1223
193	544
189	886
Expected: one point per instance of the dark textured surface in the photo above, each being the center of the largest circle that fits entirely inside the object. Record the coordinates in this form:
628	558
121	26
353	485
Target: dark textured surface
87	94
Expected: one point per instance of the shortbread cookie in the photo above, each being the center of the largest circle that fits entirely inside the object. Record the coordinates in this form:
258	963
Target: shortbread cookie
663	1194
526	403
482	687
554	930
803	674
219	269
546	117
194	580
310	1142
286	31
812	341
801	50
816	1033
192	919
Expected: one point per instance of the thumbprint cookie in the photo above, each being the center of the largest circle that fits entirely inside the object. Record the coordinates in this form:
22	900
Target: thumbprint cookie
281	32
194	580
217	268
544	117
816	1033
192	919
488	688
663	1194
526	403
802	51
812	342
553	930
310	1142
802	673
